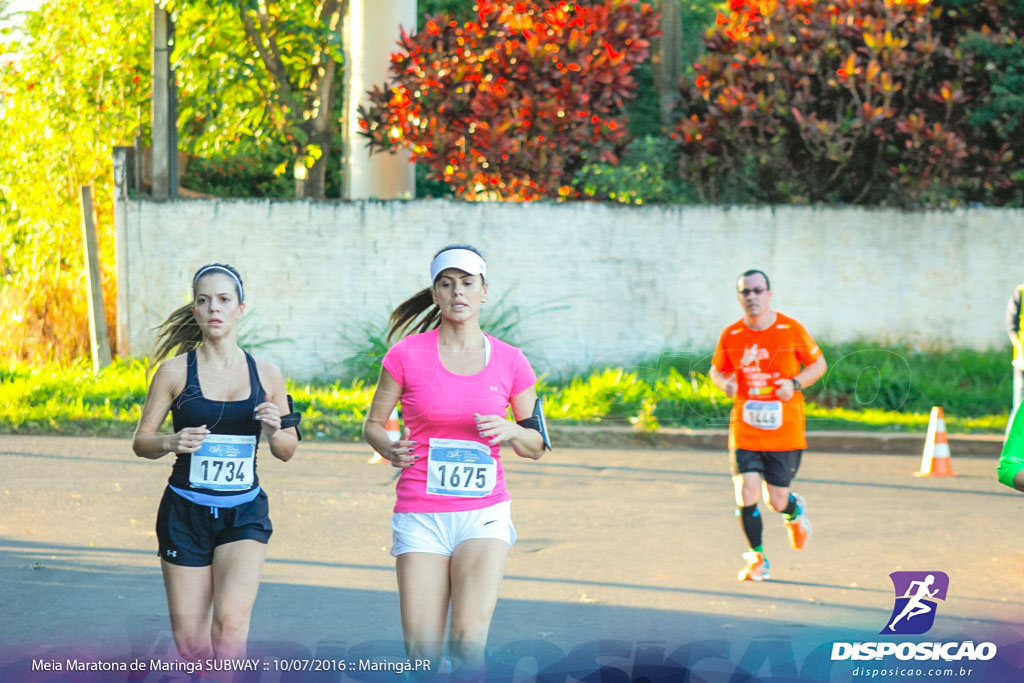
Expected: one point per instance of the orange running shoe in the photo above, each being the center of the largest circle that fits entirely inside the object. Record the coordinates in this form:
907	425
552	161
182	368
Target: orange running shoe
799	527
756	569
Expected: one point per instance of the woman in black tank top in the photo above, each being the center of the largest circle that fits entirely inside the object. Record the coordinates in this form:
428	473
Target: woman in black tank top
213	517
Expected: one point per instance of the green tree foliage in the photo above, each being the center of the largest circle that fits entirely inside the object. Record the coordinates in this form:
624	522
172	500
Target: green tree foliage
460	10
75	82
71	87
646	174
697	18
257	77
504	106
855	101
987	40
692	21
243	175
648	170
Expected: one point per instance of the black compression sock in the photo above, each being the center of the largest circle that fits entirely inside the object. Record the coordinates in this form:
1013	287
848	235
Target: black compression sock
790	510
750	520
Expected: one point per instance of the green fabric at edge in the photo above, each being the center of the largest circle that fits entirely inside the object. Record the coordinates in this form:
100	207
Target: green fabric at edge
1011	460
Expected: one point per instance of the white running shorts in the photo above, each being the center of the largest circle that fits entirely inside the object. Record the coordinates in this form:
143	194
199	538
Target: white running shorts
441	532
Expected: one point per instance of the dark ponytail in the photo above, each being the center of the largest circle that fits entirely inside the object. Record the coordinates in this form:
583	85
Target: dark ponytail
404	321
418	313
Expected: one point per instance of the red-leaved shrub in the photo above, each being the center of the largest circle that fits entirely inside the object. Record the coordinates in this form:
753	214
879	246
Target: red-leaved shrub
508	106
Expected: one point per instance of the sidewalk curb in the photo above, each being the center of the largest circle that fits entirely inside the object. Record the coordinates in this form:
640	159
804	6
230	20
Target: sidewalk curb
600	436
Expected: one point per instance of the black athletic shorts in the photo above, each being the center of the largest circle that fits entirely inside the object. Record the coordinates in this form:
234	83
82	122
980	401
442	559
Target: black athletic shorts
187	533
776	467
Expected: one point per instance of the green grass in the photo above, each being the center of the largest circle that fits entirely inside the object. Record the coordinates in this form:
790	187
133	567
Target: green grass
821	418
70	400
332	411
868	388
903	378
73	401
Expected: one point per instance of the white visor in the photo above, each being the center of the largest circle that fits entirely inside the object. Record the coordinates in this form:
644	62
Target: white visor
465	260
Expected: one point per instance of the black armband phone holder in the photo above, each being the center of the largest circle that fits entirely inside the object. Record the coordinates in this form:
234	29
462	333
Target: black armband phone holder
292	419
537	421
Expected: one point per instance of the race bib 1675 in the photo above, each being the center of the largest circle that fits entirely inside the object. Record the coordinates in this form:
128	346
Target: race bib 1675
460	468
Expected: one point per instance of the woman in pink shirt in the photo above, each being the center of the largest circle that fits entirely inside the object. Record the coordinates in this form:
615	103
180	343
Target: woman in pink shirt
452	527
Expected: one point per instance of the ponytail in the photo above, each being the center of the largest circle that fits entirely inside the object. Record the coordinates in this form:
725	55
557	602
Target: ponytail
404	321
180	333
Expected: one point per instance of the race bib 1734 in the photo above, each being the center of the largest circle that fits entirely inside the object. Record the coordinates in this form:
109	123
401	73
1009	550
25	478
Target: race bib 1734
224	462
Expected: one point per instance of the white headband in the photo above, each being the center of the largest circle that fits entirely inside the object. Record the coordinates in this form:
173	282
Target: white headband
465	260
206	269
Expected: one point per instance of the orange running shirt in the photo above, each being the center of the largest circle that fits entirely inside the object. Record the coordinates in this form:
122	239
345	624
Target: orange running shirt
760	421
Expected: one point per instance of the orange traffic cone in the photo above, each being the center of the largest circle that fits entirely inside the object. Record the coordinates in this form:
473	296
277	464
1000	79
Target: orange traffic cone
394	428
935	462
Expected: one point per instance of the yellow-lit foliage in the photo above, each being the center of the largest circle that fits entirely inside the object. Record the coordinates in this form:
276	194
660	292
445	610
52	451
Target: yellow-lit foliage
74	86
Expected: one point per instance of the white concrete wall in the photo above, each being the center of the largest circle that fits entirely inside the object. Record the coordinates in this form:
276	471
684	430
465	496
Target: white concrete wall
632	280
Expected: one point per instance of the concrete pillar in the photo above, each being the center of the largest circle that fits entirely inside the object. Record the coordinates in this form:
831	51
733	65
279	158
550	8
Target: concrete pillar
122	181
164	109
372	29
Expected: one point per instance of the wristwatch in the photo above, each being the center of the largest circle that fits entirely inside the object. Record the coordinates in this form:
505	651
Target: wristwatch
796	384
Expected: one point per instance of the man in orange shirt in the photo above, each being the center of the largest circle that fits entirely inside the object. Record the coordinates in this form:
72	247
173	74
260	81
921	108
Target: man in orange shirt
763	361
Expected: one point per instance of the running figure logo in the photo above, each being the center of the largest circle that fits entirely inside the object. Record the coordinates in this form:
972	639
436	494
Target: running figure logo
752	355
916	592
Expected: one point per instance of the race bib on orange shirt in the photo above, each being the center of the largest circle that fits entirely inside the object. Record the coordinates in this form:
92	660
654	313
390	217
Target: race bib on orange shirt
763	414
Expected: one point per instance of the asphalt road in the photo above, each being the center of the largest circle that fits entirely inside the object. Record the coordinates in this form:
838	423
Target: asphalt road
626	563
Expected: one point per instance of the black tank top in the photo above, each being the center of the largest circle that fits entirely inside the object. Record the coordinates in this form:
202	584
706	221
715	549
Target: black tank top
191	409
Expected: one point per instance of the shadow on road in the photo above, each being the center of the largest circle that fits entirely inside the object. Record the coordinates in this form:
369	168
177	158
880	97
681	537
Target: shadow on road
83	581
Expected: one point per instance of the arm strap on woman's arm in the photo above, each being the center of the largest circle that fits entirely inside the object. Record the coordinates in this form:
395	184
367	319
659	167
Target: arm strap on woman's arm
292	419
537	422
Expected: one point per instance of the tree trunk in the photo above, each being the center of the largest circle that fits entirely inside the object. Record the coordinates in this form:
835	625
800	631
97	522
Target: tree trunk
319	128
316	180
668	60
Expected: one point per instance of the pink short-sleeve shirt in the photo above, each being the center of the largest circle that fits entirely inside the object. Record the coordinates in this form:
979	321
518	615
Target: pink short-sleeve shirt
438	404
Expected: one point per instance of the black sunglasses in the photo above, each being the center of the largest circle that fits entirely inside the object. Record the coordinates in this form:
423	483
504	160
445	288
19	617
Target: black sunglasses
755	290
